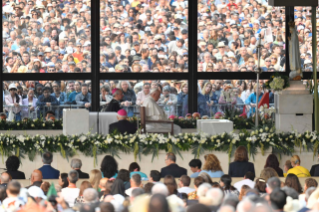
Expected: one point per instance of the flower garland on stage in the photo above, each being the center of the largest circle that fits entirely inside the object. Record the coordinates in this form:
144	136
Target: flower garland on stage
150	144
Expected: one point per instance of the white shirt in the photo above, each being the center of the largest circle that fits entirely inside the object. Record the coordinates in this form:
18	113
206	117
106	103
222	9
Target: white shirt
185	190
248	182
129	191
70	194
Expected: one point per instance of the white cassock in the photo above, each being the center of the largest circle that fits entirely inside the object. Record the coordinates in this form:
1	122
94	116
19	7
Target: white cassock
155	112
294	54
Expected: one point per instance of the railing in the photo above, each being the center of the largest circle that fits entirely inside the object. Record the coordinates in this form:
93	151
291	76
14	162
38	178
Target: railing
134	110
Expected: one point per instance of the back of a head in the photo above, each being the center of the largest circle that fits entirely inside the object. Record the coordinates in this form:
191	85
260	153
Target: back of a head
5	177
158	203
309	191
273	183
195	163
160	188
76	163
137	179
106	207
226	208
290	192
268	172
90	195
231	200
202	189
14	187
155	175
134	166
215	195
278	199
73	176
186	180
250	175
3	193
171	156
137	191
198	207
245	205
47	158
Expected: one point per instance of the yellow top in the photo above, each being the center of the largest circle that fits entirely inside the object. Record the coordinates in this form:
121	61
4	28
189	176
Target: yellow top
299	171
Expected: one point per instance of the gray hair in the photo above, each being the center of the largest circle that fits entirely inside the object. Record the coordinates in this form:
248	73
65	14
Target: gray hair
73	176
231	200
245	205
202	189
309	192
160	188
76	163
137	191
47	158
90	195
290	192
215	195
120	84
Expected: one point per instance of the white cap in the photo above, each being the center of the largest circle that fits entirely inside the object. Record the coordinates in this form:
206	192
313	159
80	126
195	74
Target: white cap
306	62
35	191
87	43
12	86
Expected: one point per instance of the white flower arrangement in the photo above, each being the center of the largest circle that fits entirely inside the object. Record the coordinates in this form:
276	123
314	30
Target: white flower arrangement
277	84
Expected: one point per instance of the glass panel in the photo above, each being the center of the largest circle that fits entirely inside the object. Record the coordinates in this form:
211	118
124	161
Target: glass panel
228	32
304	28
173	100
41	37
33	99
224	96
144	36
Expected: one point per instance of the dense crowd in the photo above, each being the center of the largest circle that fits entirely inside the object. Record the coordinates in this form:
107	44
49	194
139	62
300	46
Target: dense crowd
110	189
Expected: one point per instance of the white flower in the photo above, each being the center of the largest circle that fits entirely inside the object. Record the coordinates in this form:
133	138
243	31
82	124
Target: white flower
261	130
21	138
218	140
82	138
266	129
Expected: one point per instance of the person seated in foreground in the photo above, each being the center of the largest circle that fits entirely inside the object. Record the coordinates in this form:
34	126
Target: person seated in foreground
248	180
195	166
183	184
115	105
123	125
5	179
136	182
71	192
76	165
155	177
36	178
241	166
47	170
155	113
12	165
134	168
297	170
172	168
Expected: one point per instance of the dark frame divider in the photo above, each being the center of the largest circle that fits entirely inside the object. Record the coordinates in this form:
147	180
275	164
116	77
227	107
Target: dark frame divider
192	76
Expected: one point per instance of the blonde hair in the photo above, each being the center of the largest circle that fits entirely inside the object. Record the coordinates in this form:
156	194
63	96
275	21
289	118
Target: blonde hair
295	159
95	177
212	163
203	89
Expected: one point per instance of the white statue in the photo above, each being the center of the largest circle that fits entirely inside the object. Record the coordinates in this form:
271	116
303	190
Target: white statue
294	53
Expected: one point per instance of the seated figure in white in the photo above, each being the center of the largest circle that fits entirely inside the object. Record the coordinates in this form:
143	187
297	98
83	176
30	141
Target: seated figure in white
154	112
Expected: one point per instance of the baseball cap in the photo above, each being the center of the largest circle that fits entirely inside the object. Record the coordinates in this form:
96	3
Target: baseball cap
35	191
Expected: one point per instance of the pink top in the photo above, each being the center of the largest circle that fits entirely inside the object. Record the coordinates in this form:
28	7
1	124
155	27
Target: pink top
9	101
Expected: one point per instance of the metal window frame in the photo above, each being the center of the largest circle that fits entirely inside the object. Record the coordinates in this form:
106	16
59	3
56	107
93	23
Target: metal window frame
192	76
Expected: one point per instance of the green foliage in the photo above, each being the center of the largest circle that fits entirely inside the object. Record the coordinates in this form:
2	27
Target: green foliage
29	124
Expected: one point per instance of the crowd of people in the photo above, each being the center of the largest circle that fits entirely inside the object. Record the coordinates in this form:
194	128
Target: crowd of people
171	189
31	99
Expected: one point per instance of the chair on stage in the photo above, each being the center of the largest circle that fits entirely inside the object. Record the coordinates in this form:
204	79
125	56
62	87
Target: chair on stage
144	122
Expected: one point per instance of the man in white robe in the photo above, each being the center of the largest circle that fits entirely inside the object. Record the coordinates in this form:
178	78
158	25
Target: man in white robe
155	112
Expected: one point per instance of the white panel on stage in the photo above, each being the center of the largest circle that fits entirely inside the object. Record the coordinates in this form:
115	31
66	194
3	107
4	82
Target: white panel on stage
75	121
214	126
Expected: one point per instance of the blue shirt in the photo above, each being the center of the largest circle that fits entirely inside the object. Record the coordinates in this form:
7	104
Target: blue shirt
143	176
213	174
252	99
194	175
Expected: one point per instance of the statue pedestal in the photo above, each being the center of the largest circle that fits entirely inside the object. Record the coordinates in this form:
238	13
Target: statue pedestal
294	108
